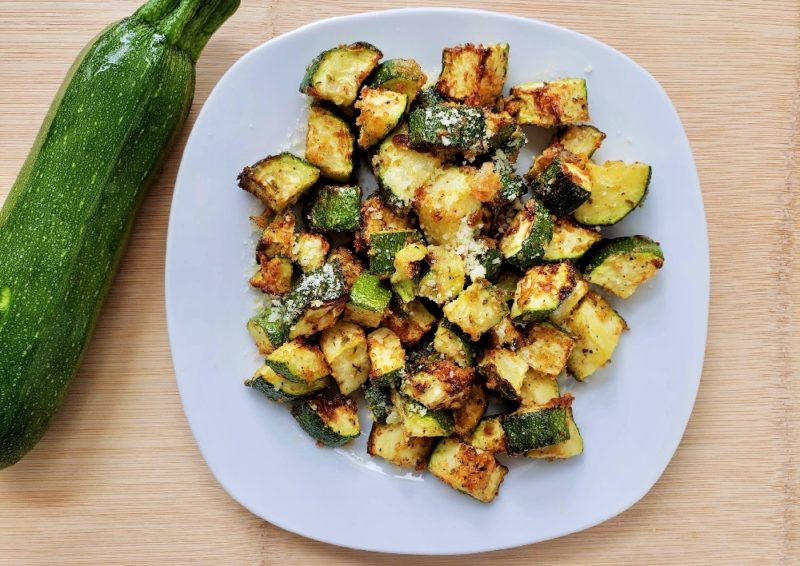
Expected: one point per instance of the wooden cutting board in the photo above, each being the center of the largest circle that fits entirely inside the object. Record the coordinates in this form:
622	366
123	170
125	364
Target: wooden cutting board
118	478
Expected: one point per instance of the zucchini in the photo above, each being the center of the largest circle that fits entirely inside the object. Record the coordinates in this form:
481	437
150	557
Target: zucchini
569	241
547	348
561	314
335	209
617	189
536	427
505	335
66	220
387	357
564	184
467	469
479	307
569	448
451	342
548	104
331	420
468	415
336	75
491	260
298	362
324	284
380	111
277	388
350	265
473	74
274	276
454	129
489	435
428	96
440	385
384	246
393	444
410	321
269	329
400	170
418	420
620	265
538	389
507	283
407	265
582	140
505	372
512	187
345	348
379	401
446	277
329	143
309	251
376	216
369	298
400	75
597	328
279	180
277	239
541	290
524	242
446	206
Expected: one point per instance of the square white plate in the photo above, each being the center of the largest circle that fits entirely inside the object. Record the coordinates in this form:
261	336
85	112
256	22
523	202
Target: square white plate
632	414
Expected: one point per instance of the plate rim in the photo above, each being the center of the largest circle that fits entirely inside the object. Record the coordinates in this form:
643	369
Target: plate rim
172	324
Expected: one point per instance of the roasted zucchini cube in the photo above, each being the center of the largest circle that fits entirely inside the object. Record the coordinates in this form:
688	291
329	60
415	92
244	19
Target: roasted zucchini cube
507	283
376	216
530	232
399	75
345	348
270	328
468	415
597	328
569	448
331	420
279	180
541	290
512	187
564	184
473	74
401	170
350	265
489	435
380	111
336	75
329	144
617	189
310	251
383	247
467	469
407	265
453	344
316	319
393	444
387	357
274	276
379	400
321	285
410	321
621	265
538	389
479	307
570	241
564	310
505	335
547	348
428	96
582	140
555	103
298	362
369	298
277	237
277	388
536	427
446	277
447	207
505	371
440	385
335	209
447	127
418	420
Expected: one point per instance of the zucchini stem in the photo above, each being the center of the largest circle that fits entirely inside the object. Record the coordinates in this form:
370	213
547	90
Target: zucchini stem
187	24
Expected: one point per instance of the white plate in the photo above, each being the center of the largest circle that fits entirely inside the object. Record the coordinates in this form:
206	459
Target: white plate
632	414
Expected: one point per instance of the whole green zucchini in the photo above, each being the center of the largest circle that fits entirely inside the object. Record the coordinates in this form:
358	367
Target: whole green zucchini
65	223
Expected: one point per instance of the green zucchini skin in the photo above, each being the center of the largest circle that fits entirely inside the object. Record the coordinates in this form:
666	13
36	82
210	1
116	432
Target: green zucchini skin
65	223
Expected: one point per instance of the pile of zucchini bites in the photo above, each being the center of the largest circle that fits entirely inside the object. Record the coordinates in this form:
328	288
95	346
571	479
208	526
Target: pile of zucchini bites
444	289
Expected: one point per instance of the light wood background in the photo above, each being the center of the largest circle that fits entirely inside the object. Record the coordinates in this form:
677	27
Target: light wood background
118	478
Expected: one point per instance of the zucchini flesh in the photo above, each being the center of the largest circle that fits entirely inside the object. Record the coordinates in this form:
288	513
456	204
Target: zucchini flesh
473	74
279	180
440	385
479	307
467	469
380	111
505	372
468	415
336	75
298	362
541	291
66	220
277	388
331	420
569	241
400	75
550	104
564	184
383	248
620	265
453	344
418	420
392	443
617	189
525	240
345	348
597	328
581	140
329	144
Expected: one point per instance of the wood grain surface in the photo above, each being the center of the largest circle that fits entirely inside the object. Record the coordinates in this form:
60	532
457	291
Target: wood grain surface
118	478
